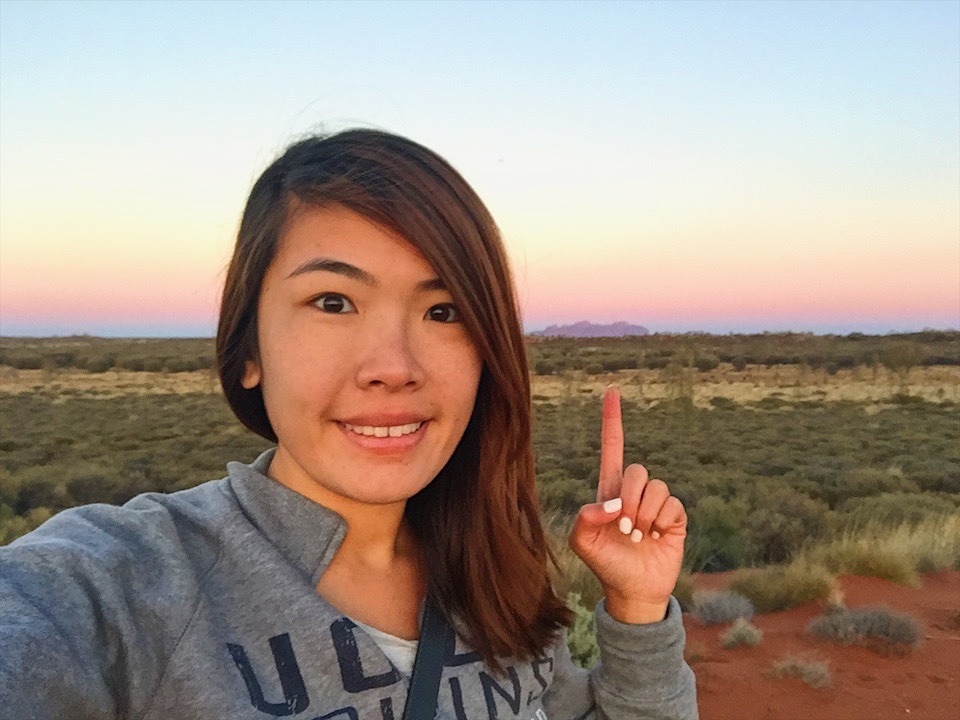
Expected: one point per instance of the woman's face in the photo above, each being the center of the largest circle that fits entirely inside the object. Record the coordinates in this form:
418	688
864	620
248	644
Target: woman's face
368	376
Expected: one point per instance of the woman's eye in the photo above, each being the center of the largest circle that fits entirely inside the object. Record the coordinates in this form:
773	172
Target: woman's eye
445	313
334	303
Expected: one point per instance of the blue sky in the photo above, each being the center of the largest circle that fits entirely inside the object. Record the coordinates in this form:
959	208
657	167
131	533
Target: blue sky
688	166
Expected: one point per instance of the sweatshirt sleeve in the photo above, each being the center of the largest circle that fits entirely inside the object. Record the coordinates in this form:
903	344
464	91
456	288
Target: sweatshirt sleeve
81	599
642	674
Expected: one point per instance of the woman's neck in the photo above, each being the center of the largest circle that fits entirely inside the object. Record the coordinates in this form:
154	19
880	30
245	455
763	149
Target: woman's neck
378	535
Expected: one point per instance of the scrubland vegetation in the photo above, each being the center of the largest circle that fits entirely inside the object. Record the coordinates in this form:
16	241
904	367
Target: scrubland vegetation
717	608
742	632
876	627
798	457
814	673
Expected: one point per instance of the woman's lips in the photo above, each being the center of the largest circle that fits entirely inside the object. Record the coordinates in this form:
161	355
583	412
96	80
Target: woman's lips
383	430
385	438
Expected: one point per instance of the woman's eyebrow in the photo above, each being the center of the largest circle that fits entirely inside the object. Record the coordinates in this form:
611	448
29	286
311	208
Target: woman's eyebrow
353	272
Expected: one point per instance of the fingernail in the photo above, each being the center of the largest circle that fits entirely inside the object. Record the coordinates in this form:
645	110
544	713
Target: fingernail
626	525
655	535
613	505
636	536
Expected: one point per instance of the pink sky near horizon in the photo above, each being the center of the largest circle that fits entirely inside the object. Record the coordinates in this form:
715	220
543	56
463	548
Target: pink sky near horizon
725	166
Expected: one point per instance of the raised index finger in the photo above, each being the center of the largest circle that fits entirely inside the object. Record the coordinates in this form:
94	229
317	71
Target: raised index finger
611	446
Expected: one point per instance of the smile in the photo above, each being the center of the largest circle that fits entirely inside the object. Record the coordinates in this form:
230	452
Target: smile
391	431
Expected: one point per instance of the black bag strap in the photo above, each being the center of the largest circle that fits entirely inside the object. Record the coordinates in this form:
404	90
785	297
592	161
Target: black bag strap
427	665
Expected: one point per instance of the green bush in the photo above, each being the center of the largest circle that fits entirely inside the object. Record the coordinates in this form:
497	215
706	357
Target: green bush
863	482
780	588
895	509
717	539
101	363
562	493
706	363
13	526
861	556
582	636
782	520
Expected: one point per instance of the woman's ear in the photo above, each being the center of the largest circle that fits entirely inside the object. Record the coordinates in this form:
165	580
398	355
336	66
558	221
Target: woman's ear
251	374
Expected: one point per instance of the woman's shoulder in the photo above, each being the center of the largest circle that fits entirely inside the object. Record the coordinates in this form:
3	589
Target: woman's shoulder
149	533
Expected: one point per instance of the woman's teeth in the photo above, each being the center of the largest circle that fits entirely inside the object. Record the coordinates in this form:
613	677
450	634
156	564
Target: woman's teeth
392	431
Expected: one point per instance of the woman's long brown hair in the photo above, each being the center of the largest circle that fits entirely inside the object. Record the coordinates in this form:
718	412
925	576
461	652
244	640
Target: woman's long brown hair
479	520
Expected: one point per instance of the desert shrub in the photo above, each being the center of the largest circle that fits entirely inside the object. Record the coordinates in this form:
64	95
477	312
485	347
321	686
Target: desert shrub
742	632
862	555
85	488
705	363
593	368
894	509
573	575
936	474
893	552
132	363
900	357
716	537
780	588
902	397
101	363
612	364
582	635
545	367
739	363
814	673
782	520
720	607
24	362
566	494
863	625
37	490
13	526
865	482
723	403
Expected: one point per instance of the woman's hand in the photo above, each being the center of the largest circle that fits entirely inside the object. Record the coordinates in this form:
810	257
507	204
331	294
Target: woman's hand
632	537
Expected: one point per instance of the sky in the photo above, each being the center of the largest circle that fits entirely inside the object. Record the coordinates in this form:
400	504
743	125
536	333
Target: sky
687	166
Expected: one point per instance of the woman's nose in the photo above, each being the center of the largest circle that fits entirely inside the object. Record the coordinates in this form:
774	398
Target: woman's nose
390	359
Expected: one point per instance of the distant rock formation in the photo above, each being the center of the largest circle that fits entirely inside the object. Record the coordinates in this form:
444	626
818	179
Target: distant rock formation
584	329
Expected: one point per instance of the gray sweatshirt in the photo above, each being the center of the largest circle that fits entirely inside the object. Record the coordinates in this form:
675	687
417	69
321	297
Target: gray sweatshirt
201	604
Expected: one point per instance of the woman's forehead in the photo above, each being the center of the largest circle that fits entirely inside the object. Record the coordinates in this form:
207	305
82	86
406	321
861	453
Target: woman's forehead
338	238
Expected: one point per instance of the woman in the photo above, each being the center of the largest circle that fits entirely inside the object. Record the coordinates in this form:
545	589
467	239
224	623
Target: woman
369	329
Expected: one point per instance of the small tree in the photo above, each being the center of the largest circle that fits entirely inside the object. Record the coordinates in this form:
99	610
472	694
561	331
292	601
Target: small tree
900	358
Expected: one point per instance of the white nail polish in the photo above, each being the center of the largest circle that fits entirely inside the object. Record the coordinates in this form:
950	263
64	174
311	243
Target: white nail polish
626	525
613	505
655	535
636	536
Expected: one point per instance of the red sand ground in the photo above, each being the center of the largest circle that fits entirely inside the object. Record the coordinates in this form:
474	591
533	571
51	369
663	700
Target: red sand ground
925	683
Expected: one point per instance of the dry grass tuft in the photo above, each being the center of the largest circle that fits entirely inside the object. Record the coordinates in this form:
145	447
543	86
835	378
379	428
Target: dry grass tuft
892	553
742	632
720	607
879	628
814	673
